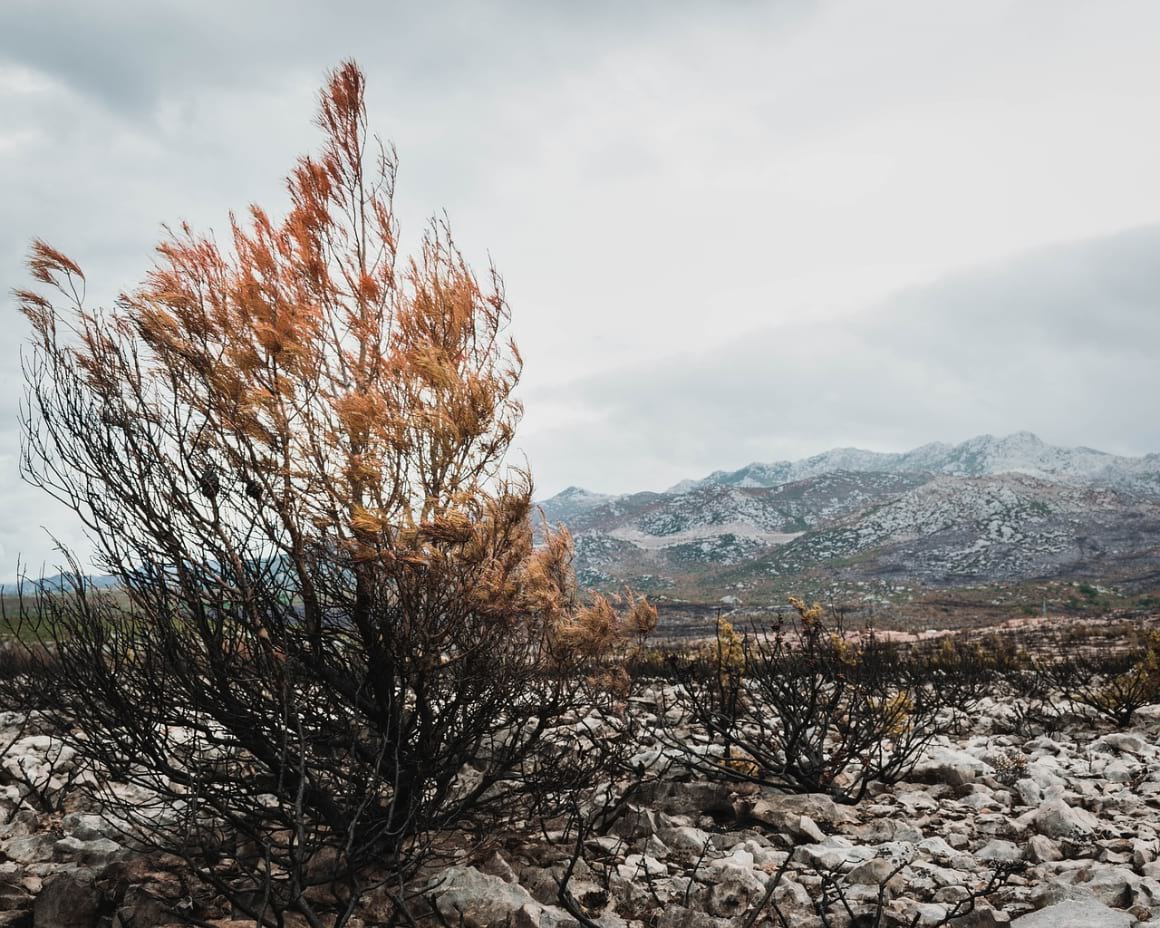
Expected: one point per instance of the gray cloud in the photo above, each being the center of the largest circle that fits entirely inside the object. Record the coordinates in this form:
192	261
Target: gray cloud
132	55
1061	341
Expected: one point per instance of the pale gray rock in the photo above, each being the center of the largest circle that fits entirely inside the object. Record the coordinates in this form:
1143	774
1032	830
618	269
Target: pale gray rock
915	801
818	807
874	872
732	895
605	844
998	824
1041	849
982	917
1118	886
834	852
764	855
686	838
1075	913
98	853
928	913
676	916
943	876
939	851
472	899
29	849
88	826
655	847
25	822
784	821
1121	742
1047	777
497	865
641	866
1116	771
1029	792
1056	819
883	825
793	900
945	764
999	851
1143	852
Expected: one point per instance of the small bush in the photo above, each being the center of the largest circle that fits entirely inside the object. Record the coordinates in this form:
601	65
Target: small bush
1111	681
962	672
803	706
1011	767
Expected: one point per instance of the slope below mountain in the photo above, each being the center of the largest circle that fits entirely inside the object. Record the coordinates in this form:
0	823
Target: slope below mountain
986	510
772	514
987	528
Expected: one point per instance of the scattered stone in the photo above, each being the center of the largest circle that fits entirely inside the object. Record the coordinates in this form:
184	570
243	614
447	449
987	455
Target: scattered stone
999	851
1041	849
1056	819
99	852
676	916
818	807
1081	817
834	853
690	798
1075	913
944	764
795	825
29	849
66	901
982	917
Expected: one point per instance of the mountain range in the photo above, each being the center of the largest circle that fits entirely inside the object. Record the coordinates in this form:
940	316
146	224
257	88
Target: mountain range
991	510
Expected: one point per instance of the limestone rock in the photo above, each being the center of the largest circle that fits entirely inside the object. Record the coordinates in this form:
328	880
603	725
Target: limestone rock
1075	913
999	851
818	807
690	798
833	853
1056	819
1041	849
472	899
66	901
948	765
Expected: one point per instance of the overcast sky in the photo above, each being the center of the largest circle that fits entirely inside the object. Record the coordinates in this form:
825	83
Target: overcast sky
730	231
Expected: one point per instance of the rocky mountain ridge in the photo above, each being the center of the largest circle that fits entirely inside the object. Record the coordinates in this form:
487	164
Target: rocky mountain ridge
984	455
986	510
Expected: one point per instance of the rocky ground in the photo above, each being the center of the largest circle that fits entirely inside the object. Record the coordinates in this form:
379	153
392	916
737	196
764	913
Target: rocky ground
1062	830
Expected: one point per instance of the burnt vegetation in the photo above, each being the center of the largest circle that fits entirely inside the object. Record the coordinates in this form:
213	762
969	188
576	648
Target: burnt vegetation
805	707
332	644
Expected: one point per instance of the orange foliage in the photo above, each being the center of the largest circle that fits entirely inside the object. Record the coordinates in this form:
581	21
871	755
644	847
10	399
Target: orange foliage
362	399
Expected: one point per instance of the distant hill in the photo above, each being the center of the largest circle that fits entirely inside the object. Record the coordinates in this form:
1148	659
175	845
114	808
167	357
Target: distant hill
987	510
58	582
985	455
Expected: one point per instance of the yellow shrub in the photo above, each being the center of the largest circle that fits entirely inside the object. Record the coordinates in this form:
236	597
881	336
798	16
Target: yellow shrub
896	710
744	765
727	654
846	651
